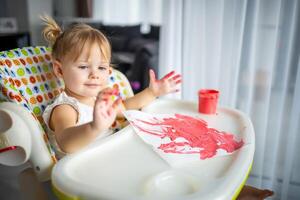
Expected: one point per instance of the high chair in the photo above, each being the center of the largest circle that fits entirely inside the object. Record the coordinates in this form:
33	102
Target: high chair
119	167
27	86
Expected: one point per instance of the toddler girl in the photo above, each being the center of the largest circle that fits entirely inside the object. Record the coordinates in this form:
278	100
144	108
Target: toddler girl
84	111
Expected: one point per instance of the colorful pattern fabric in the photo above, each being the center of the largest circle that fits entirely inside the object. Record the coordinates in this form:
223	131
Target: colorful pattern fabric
27	78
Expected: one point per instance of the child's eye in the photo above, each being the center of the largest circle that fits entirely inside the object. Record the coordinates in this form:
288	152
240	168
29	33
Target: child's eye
102	68
82	67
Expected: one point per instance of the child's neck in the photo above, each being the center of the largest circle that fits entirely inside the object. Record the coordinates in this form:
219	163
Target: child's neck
90	101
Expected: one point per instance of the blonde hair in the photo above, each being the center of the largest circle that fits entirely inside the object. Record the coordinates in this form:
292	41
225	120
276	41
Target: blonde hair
72	40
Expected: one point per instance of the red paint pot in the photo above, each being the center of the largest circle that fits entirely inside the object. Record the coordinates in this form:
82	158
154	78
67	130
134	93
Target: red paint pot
207	101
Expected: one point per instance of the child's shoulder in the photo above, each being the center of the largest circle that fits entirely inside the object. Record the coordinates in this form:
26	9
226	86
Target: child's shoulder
63	114
63	99
63	105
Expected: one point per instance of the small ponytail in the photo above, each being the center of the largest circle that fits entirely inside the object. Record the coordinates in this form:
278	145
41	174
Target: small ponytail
51	31
71	41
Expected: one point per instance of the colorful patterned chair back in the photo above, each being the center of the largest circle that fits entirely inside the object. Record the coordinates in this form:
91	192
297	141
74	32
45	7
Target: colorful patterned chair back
27	78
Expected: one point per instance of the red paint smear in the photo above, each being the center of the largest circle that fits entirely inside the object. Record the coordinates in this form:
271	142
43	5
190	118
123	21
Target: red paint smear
8	149
195	132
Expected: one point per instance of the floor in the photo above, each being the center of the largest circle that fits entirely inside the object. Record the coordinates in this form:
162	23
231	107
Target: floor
9	185
9	188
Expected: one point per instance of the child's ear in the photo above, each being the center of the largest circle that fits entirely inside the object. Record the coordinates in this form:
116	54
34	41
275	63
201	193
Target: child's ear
57	68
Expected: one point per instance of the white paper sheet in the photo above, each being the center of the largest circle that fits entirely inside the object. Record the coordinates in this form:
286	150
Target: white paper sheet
180	138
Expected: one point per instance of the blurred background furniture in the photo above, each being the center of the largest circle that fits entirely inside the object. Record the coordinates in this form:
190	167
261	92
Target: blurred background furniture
14	40
134	52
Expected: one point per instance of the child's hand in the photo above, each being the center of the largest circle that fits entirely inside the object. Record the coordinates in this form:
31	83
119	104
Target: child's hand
105	111
107	93
168	84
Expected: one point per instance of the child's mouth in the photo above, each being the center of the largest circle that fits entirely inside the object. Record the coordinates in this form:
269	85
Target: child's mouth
92	85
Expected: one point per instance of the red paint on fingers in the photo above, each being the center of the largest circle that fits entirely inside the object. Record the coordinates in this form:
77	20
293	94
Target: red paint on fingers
176	77
168	75
178	81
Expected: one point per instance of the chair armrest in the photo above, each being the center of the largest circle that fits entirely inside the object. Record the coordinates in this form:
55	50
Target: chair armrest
21	140
15	140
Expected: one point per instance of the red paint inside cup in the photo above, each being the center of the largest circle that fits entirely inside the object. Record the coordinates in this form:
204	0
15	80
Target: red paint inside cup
207	101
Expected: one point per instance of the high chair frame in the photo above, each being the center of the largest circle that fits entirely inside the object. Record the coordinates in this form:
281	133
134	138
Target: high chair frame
28	85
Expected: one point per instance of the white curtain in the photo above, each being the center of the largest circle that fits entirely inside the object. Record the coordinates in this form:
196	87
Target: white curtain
250	51
126	12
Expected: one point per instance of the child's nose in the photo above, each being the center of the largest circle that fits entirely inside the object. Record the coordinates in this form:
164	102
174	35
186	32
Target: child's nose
94	74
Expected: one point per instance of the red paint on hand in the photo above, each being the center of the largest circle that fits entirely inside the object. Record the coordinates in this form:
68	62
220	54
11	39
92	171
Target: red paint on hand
168	75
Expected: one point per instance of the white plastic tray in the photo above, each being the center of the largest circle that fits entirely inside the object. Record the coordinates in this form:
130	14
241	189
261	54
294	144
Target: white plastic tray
123	167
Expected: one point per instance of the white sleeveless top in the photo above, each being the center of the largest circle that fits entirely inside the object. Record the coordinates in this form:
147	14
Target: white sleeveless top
85	115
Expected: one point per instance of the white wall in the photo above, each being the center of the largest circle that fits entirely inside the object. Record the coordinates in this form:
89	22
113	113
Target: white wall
125	12
35	9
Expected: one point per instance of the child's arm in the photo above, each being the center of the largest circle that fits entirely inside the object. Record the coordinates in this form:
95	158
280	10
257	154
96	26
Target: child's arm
69	137
168	84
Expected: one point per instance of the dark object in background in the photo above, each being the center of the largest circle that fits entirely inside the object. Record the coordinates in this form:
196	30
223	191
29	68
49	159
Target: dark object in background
146	58
14	40
133	52
121	36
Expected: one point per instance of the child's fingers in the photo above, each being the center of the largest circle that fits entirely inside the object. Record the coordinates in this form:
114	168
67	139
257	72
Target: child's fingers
173	86
174	82
152	76
105	90
168	75
118	105
175	79
113	91
105	98
177	76
178	81
102	100
110	111
104	113
100	108
101	104
109	91
106	95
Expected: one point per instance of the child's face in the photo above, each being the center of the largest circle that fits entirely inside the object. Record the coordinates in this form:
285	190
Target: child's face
88	75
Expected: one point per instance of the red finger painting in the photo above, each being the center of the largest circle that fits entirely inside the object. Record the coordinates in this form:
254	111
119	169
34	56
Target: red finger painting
182	134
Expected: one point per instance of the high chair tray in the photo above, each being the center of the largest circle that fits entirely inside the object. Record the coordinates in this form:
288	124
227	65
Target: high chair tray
123	167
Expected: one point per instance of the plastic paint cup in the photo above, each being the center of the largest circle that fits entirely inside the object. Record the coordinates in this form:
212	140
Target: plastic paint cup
207	101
